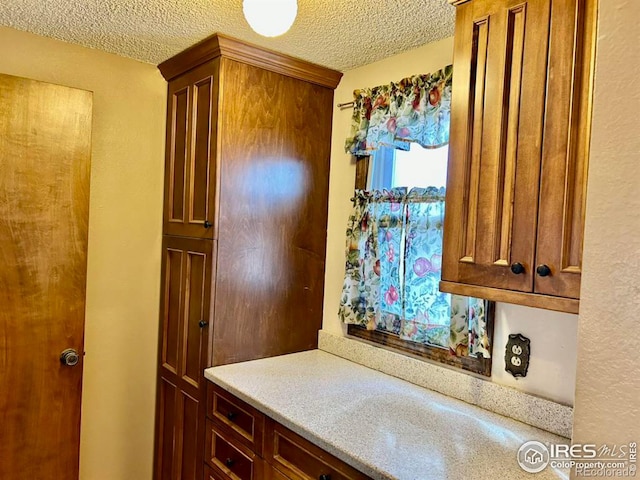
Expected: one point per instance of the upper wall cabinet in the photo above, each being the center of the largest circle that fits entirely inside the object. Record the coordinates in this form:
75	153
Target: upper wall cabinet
520	130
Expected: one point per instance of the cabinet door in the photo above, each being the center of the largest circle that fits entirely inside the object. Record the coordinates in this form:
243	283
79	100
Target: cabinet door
190	168
179	430
500	63
184	345
566	147
185	305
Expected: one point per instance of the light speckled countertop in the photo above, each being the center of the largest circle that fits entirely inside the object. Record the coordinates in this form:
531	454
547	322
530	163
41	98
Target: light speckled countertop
383	426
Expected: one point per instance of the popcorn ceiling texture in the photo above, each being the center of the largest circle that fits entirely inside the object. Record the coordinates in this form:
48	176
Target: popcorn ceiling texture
340	34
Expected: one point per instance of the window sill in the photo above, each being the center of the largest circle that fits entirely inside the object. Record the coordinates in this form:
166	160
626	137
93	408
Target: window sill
481	366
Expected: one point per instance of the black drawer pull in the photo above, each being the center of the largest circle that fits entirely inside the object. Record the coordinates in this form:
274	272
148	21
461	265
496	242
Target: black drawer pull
202	323
229	462
231	416
324	477
208	224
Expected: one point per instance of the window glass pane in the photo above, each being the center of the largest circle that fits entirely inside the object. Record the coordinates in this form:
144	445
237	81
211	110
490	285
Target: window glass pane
417	167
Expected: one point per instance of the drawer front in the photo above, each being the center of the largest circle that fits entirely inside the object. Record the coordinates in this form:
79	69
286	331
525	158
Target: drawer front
299	459
244	421
230	458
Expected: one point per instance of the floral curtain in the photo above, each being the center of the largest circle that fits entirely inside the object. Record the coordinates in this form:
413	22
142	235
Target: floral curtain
416	109
393	268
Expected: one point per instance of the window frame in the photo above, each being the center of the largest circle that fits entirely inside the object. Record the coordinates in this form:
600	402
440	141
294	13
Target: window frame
479	365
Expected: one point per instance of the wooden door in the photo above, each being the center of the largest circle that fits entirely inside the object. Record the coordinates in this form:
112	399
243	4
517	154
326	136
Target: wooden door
184	345
45	149
567	133
190	167
500	62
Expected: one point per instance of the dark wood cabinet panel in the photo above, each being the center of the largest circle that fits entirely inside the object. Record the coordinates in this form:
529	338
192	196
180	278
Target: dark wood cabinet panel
179	424
185	308
565	150
233	453
520	127
165	429
190	171
245	216
188	431
245	423
299	459
497	117
273	214
229	458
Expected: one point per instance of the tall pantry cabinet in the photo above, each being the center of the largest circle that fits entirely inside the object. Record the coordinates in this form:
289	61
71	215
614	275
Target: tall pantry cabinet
245	213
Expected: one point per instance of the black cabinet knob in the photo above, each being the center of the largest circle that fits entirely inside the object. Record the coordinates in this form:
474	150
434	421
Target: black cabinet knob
202	323
324	477
543	270
229	462
517	268
231	415
208	224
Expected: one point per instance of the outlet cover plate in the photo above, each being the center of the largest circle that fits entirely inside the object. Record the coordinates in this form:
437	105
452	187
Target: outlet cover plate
516	356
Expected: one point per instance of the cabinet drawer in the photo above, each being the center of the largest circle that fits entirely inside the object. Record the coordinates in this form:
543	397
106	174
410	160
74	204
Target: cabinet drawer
244	421
229	458
299	459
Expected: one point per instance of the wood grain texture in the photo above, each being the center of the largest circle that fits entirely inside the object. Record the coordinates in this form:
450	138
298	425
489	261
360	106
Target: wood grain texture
45	149
297	458
229	458
187	268
548	302
567	135
191	176
275	148
245	423
248	152
222	46
494	158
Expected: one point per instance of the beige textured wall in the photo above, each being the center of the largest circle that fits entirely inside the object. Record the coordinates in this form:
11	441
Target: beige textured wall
607	387
124	245
553	335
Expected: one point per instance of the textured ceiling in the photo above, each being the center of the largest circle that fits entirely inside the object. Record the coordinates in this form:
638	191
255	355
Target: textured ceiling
340	34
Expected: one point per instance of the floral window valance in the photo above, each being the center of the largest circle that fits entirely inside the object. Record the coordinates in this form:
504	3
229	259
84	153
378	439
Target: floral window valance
393	268
416	109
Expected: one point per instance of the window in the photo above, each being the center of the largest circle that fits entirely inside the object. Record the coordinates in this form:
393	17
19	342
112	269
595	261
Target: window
388	169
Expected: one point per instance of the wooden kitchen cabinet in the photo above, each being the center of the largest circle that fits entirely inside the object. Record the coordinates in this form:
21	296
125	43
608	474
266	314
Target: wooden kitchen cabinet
187	264
190	166
520	133
244	444
245	216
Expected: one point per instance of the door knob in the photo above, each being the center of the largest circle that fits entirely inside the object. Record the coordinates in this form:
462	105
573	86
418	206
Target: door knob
543	270
202	323
69	357
207	224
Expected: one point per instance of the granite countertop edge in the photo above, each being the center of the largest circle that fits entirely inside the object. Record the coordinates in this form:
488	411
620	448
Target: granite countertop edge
309	377
306	433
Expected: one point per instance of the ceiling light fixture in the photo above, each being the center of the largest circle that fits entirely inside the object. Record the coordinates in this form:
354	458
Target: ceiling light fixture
270	18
